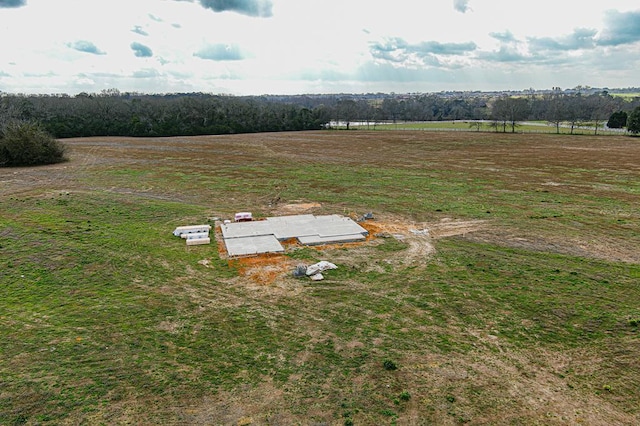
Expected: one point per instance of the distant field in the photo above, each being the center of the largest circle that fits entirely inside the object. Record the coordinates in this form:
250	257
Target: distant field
500	285
475	126
628	96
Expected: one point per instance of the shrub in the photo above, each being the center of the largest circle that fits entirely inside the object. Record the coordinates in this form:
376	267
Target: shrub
617	120
405	396
389	365
24	143
633	121
389	413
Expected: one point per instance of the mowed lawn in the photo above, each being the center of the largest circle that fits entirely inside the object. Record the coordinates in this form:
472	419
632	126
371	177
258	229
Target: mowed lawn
502	288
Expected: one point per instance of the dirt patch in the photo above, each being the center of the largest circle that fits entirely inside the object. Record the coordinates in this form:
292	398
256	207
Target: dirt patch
263	404
171	327
263	269
448	227
420	237
296	208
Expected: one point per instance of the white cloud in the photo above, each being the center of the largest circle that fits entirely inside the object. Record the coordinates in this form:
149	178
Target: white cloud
292	46
461	5
12	3
85	46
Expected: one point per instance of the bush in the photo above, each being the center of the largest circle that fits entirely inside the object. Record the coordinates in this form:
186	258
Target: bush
389	365
25	143
617	120
633	121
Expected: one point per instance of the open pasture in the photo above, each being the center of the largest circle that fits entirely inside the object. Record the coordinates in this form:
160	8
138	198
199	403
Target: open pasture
486	126
501	285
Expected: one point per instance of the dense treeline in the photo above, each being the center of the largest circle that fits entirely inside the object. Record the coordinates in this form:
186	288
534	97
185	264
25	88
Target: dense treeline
112	113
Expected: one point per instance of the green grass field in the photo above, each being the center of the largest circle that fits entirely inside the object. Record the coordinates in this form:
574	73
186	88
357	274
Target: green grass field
530	317
626	96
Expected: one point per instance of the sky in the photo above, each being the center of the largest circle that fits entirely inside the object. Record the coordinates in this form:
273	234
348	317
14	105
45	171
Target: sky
258	47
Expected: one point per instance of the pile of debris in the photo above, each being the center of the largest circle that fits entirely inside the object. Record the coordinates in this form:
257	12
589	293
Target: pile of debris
313	271
194	234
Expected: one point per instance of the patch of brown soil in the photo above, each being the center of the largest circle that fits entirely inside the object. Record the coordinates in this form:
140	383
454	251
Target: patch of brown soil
449	227
419	236
296	208
171	327
589	243
264	404
401	227
264	269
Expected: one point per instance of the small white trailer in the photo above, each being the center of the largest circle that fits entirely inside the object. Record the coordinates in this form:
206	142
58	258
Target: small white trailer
243	217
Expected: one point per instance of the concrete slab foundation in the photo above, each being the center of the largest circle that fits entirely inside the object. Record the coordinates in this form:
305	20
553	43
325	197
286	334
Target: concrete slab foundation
264	236
247	246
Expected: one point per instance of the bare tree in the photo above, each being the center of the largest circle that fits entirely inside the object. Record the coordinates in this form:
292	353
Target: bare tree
601	106
347	110
555	111
512	110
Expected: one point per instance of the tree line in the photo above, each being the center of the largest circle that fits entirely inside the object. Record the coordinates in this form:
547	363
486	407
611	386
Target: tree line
502	112
112	113
31	126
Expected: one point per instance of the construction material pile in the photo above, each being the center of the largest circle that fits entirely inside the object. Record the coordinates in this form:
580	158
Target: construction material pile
194	234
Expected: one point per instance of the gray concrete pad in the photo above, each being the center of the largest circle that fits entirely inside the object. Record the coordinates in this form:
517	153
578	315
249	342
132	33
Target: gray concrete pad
337	225
314	240
264	236
246	229
285	227
246	246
